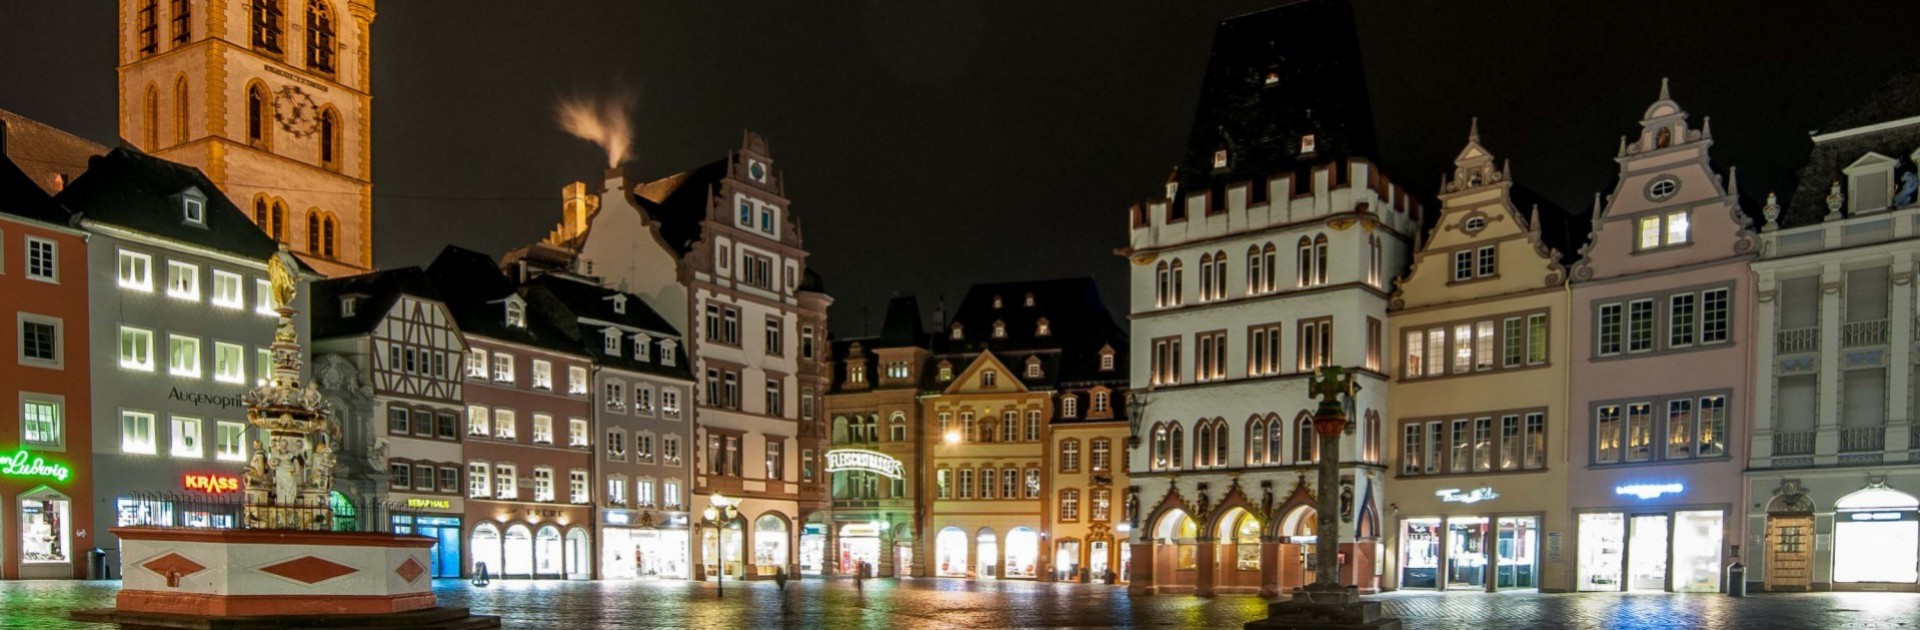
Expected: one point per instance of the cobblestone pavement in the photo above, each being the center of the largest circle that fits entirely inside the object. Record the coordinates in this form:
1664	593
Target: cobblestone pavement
952	604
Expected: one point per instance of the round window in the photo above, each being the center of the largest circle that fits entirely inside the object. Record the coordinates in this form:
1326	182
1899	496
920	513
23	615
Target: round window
1475	224
1663	188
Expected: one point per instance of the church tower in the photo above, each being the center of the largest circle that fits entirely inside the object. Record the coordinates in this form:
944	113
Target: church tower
272	99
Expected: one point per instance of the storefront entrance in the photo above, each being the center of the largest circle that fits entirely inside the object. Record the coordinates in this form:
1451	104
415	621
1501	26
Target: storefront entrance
443	558
950	553
1789	552
987	549
1066	561
813	549
1470	553
769	545
1876	538
643	553
1669	551
1097	563
46	530
859	545
1023	553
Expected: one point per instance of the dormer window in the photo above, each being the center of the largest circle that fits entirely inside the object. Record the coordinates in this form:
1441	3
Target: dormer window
666	352
641	347
620	304
1220	158
516	312
1271	78
946	371
1869	183
194	210
612	346
1306	144
956	336
1029	300
347	304
1106	359
999	329
996	302
1033	367
1041	329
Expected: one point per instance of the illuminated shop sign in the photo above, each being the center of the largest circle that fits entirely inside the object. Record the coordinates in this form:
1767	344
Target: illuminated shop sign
869	461
435	504
24	464
210	483
1476	495
1882	516
618	518
1649	490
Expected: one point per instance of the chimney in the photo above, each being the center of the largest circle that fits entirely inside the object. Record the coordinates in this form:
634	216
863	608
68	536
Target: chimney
578	206
940	312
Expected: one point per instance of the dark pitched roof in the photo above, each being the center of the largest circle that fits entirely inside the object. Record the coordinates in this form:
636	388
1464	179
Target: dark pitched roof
1562	231
19	196
1078	322
475	290
811	280
44	153
902	325
1898	98
679	203
566	301
139	192
1319	87
378	291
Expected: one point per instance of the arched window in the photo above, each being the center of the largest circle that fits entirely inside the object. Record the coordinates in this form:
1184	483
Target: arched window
279	221
148	24
260	213
1256	441
1304	262
180	110
328	227
1254	282
182	11
1162	285
319	36
1159	446
1219	442
1219	274
1173	294
1320	259
267	16
1202	444
1276	430
313	231
258	103
1176	445
150	110
1307	447
1206	277
330	139
1269	261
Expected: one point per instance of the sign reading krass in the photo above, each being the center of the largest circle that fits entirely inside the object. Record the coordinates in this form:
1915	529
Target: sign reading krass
869	461
211	484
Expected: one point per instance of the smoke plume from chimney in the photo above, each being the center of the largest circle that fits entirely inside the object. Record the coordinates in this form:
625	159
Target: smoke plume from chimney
602	120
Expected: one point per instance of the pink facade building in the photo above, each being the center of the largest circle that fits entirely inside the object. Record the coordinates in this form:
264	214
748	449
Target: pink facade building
1662	310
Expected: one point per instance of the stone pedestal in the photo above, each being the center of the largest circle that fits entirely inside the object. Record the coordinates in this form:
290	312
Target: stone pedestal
1322	608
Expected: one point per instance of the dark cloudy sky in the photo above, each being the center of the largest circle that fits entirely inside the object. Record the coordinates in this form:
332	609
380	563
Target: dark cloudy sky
931	145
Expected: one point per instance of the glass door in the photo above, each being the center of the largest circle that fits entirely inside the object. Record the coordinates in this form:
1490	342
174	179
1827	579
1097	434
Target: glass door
1647	553
1467	553
1518	540
1697	542
1420	568
1602	551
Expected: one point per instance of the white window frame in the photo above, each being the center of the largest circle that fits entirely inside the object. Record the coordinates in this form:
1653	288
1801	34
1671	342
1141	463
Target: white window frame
135	271
579	487
176	365
183	280
502	370
220	443
542	428
59	421
52	272
576	380
543	374
59	359
187	440
263	297
229	290
578	433
132	425
231	372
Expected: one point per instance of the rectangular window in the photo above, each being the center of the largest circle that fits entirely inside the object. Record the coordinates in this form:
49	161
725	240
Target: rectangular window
1713	426
542	375
183	356
1482	444
1679	428
1650	232
136	432
1373	344
1713	315
263	297
478	483
423	477
1462	265
449	479
1483	345
986	483
1536	339
1639	326
1033	426
543	484
966	483
505	486
504	425
136	271
1033	483
1462	446
503	367
229	362
1410	449
1415	349
42	260
1639	432
39	341
1513	343
1462	348
186	437
263	365
230	441
1436	351
397	421
1609	329
943	483
1070	505
136	349
776	337
576	380
1510	446
776	464
41	423
1680	322
227	292
1010	483
478	421
776	403
183	280
1536	456
399	476
1677	227
1607	435
542	428
1435	446
617	491
1487	264
577	487
446	426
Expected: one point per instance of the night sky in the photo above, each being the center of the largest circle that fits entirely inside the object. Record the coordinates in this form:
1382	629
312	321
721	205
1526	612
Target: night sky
927	146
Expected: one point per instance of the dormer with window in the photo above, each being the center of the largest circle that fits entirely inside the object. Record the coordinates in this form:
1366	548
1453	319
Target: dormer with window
1029	300
999	329
1220	158
1041	329
956	334
667	355
516	311
1869	183
1100	403
620	304
193	207
856	367
1106	358
997	303
642	347
612	342
1033	366
347	304
946	370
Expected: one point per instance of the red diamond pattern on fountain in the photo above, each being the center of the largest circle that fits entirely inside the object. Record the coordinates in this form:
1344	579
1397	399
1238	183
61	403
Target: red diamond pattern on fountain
410	570
173	566
309	570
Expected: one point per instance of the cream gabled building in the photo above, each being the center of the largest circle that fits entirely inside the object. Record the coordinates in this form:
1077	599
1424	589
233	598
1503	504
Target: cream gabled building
272	99
1480	388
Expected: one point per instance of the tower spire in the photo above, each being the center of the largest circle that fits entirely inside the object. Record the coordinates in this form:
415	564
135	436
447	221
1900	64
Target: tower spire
1663	90
1473	130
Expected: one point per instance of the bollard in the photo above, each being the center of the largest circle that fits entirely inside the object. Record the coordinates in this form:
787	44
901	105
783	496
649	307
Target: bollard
1737	579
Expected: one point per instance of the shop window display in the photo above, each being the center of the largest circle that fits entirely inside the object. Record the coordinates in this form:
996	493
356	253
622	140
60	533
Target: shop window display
1421	568
45	528
1023	553
769	544
1876	535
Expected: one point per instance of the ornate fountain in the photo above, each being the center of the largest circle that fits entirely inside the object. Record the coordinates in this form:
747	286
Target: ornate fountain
290	478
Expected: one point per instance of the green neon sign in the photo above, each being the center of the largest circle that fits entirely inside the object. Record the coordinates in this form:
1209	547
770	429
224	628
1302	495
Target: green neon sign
19	465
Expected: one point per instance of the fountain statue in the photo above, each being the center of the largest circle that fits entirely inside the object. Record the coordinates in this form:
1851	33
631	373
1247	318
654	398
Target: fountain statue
289	483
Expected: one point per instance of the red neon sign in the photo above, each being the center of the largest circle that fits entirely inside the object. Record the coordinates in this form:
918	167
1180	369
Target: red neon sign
211	484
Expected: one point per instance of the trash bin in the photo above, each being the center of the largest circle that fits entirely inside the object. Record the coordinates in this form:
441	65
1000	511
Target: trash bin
1737	579
97	564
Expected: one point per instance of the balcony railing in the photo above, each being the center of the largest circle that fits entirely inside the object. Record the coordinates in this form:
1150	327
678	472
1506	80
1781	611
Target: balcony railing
1863	439
1867	333
1797	340
1793	443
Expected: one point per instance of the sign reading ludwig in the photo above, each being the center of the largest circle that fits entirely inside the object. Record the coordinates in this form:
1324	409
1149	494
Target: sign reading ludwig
854	459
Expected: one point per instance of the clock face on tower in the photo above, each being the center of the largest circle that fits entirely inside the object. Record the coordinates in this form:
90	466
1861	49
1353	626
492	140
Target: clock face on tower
295	111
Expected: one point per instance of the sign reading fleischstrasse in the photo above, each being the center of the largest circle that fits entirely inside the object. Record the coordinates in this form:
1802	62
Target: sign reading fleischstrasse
869	461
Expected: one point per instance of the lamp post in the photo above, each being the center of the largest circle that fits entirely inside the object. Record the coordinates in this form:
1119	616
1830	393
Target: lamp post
720	512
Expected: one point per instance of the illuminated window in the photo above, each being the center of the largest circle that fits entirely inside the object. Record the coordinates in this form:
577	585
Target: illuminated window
136	271
320	37
183	356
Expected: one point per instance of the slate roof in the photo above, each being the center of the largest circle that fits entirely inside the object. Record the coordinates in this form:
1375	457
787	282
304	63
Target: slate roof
1899	98
474	290
1565	232
1313	49
679	203
902	327
45	153
139	192
1078	321
566	301
20	196
378	291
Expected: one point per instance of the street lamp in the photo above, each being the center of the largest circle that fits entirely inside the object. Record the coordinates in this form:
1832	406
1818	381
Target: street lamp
718	514
1136	416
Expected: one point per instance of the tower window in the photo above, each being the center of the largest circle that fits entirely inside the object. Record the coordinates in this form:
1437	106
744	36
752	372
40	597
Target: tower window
151	110
182	11
320	36
258	100
149	20
180	111
1220	158
330	139
1306	143
267	15
313	231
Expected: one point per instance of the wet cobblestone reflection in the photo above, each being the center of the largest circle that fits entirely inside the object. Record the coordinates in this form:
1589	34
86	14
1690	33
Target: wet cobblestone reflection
952	604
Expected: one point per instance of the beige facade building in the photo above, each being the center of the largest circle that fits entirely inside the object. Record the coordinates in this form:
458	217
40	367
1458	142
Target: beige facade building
1480	390
272	99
